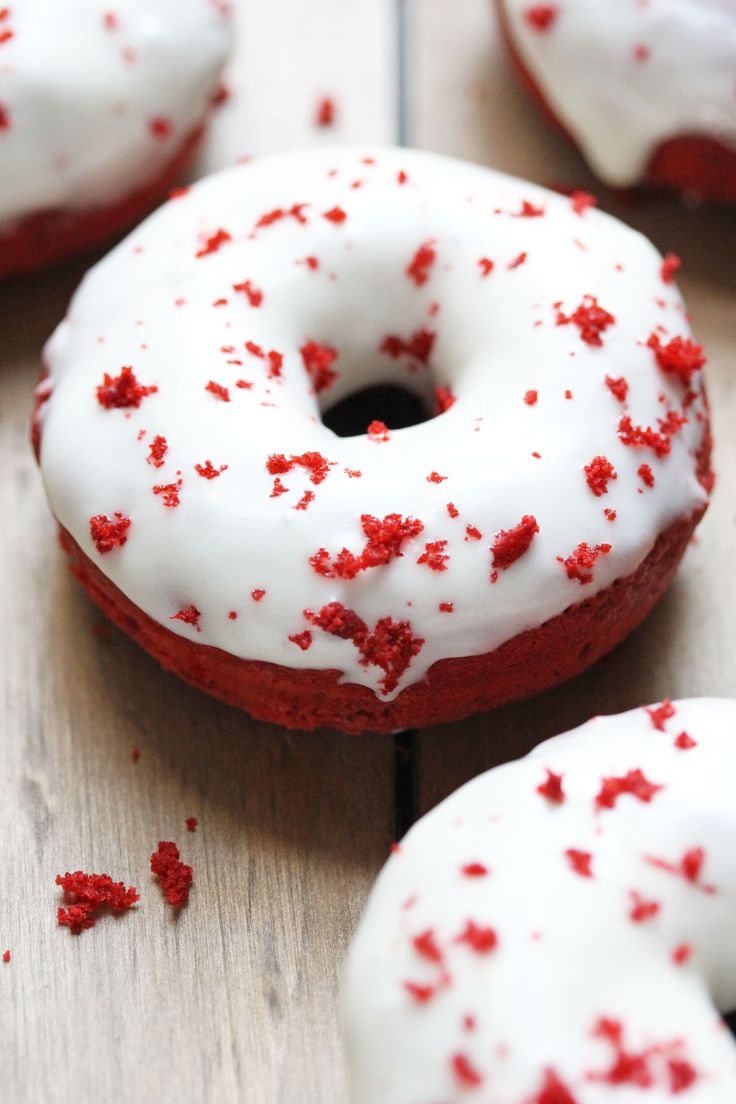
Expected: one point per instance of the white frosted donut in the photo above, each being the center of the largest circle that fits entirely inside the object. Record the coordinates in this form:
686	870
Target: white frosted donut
561	930
626	76
97	97
573	435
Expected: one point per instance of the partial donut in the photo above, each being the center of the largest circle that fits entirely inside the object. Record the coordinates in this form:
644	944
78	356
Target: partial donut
400	576
561	929
101	109
646	90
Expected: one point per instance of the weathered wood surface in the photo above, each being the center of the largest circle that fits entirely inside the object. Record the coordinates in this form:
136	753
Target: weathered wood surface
236	1001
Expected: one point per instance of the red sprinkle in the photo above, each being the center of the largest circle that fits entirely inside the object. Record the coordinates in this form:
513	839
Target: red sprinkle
213	243
318	361
541	17
420	266
510	544
190	615
552	788
123	390
580	861
634	783
680	357
597	474
579	563
590	318
174	876
109	532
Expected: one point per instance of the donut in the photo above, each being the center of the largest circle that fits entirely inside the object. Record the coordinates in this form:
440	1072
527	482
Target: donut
395	577
101	109
560	929
645	90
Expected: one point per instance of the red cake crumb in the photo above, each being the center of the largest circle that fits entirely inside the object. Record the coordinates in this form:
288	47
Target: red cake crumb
446	607
579	563
682	1075
680	357
518	261
418	346
209	471
192	824
581	862
296	211
122	391
420	266
481	940
304	501
634	783
218	391
6	956
257	594
552	789
157	451
474	870
644	437
135	756
278	489
435	477
689	867
660	714
598	473
619	388
465	1072
529	210
473	533
510	544
384	540
253	294
335	214
174	876
390	646
5	122
160	127
671	265
109	532
324	115
682	954
302	640
190	615
590	318
378	431
582	202
318	361
553	1091
541	17
443	399
610	515
486	266
425	945
684	742
641	909
169	493
531	397
89	895
313	462
213	242
646	475
434	555
452	510
422	994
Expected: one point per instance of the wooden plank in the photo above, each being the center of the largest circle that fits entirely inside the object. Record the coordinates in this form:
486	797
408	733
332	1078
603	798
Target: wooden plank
237	999
464	101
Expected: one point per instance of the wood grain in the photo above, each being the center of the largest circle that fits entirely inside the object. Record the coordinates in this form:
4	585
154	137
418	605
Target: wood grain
236	1000
463	100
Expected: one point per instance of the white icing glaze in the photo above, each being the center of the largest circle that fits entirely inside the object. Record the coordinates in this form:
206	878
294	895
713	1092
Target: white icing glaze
81	85
496	339
570	949
620	102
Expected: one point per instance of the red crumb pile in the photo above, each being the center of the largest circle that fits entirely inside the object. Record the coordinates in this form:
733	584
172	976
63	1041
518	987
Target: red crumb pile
89	895
174	876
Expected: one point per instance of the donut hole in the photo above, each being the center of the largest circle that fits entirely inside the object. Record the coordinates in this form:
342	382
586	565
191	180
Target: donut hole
396	406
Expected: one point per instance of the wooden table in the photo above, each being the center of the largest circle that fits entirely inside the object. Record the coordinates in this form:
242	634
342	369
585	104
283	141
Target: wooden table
237	999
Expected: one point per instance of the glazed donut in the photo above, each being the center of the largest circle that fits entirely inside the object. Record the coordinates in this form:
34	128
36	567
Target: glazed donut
559	930
101	108
645	90
397	577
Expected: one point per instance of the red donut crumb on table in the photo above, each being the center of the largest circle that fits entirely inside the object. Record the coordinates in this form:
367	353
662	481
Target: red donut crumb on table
174	876
89	895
